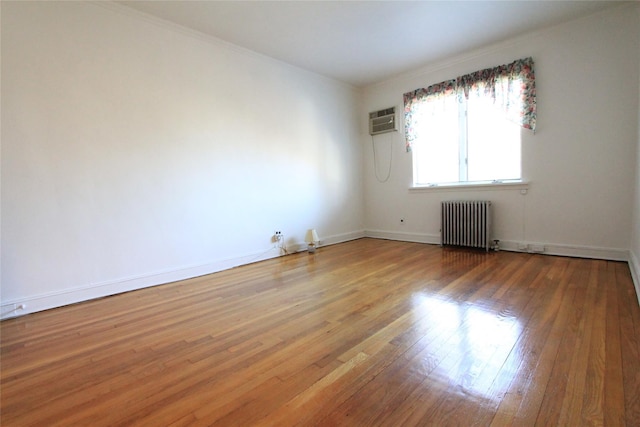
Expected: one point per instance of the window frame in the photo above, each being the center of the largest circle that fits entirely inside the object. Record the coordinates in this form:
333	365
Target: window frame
515	184
463	157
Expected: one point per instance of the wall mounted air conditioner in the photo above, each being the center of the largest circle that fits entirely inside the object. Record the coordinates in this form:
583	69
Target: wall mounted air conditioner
382	121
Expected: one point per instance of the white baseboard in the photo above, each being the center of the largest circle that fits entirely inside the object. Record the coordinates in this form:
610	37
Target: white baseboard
32	304
340	238
575	251
64	297
327	241
91	291
404	237
634	266
549	249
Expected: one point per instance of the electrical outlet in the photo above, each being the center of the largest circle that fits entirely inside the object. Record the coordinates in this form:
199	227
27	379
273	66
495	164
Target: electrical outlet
277	236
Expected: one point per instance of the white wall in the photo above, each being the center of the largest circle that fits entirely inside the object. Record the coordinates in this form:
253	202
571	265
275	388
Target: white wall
580	163
135	153
634	259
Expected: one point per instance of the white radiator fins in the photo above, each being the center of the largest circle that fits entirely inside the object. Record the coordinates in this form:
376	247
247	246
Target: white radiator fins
467	223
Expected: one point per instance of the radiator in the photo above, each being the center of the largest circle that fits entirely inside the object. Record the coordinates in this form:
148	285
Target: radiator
466	223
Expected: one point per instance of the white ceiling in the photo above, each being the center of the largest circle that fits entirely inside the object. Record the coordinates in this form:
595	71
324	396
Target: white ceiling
364	42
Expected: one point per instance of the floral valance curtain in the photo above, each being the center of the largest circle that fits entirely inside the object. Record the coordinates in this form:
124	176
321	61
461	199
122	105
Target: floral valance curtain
511	86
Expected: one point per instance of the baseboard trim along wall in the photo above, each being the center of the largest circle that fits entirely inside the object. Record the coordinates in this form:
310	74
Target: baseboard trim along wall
404	237
611	254
99	290
634	266
61	298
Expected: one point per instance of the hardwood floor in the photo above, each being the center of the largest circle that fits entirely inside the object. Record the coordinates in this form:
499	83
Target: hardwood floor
369	332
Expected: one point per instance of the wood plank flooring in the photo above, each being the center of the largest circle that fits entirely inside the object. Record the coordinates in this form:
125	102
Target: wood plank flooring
369	332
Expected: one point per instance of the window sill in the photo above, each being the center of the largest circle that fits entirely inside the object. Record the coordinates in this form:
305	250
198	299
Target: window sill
523	186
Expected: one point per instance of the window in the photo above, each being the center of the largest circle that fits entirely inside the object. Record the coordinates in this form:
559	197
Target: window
465	140
467	130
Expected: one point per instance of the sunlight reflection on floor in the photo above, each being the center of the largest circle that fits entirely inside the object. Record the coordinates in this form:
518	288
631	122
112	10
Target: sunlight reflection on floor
469	345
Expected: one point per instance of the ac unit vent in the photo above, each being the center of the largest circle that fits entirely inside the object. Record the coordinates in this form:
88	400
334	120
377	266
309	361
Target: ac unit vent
382	121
